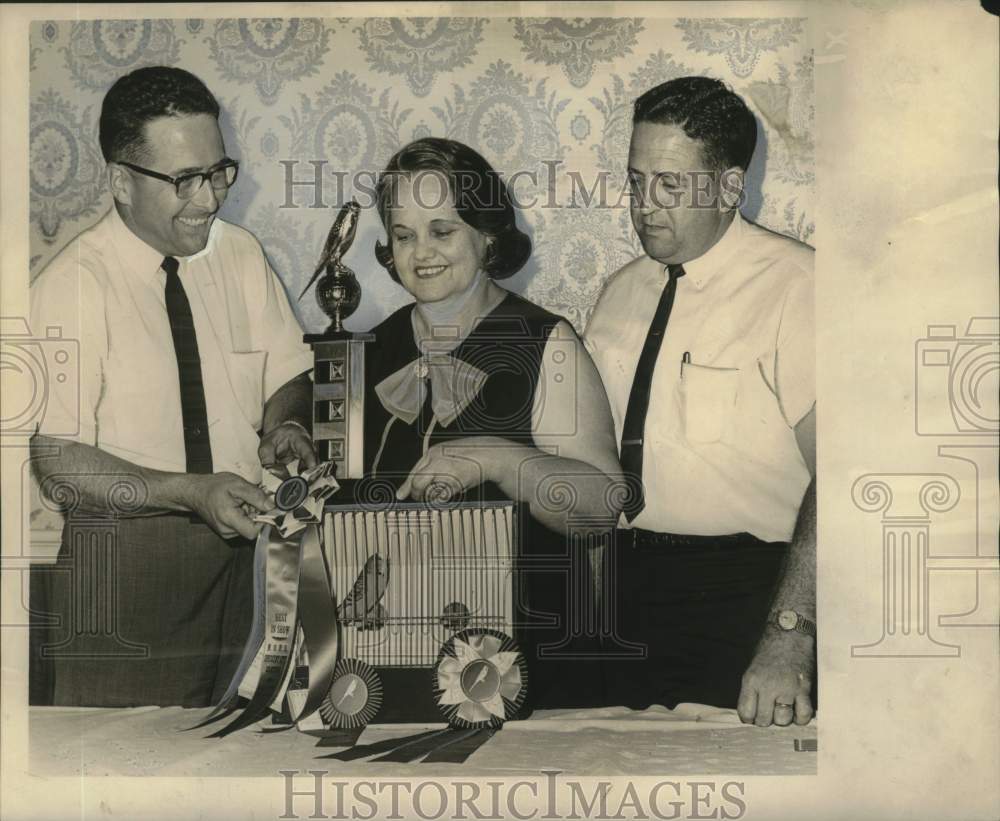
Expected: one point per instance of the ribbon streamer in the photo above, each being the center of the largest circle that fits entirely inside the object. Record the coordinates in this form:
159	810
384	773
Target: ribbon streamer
368	750
412	752
290	570
318	617
458	750
275	654
270	554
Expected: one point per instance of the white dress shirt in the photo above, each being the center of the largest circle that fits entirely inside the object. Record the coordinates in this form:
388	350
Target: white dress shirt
106	290
734	375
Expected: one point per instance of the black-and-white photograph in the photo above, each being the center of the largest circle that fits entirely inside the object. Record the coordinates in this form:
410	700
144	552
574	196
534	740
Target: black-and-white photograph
484	412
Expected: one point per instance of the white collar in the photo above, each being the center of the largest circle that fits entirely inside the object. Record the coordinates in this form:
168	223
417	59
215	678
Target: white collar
143	257
700	270
133	251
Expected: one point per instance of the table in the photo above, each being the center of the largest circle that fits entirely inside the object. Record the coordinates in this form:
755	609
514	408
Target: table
689	740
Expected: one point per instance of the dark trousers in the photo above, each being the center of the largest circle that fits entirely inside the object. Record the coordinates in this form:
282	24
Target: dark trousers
143	611
558	621
698	605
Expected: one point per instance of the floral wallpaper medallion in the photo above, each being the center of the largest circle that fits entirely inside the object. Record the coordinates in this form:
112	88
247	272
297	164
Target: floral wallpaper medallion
577	45
576	249
510	120
347	125
419	48
742	40
268	52
100	51
66	167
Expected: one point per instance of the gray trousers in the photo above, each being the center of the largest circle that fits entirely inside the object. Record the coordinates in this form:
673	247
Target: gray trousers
144	611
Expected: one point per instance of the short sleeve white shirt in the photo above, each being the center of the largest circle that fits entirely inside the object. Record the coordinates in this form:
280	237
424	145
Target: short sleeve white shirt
106	290
734	375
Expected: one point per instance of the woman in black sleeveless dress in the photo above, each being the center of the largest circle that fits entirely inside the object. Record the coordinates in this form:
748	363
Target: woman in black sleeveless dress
477	393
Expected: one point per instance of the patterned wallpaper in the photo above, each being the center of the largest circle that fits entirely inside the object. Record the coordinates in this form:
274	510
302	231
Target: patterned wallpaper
546	100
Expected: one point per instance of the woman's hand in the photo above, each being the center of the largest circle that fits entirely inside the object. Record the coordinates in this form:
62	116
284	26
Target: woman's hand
449	469
286	443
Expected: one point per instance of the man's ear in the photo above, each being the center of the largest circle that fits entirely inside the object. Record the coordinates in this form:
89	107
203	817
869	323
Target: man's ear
731	188
120	183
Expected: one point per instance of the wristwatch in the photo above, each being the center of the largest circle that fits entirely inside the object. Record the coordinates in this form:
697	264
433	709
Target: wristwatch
789	620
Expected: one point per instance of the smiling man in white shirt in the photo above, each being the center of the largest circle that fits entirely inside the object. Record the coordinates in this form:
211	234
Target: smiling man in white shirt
193	375
705	346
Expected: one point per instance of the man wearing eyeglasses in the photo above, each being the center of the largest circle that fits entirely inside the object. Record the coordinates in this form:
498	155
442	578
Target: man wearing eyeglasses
193	377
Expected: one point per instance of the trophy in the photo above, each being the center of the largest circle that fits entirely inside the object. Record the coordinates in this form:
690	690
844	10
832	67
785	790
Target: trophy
338	355
338	293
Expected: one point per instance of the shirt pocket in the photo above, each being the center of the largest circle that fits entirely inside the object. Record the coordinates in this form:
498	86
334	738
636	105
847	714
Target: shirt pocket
246	376
708	397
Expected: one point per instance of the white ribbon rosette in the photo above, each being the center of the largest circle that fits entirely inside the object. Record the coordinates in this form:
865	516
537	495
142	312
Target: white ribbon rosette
299	499
481	679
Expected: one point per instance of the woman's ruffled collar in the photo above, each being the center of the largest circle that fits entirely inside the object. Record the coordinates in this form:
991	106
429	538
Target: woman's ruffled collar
454	383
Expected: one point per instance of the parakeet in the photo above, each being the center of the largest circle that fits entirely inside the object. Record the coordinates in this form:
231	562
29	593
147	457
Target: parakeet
362	603
338	241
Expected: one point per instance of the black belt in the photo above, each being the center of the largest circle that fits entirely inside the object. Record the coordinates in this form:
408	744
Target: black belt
651	540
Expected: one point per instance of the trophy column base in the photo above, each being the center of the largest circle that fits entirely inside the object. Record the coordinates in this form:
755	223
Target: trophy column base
339	399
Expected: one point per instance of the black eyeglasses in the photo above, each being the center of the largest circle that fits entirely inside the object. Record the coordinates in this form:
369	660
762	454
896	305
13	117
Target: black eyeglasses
220	177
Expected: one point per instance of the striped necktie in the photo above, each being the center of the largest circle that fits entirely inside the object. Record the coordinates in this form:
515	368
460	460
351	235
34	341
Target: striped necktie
197	447
633	429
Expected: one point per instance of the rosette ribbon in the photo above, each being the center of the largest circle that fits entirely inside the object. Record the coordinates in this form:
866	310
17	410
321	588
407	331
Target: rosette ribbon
292	601
299	500
481	679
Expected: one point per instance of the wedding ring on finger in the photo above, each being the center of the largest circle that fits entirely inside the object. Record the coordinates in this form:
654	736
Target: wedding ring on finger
786	717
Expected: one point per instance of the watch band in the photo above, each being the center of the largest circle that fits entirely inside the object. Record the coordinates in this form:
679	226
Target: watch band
782	619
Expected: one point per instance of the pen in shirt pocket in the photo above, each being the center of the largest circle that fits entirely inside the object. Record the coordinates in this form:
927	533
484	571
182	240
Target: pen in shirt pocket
685	360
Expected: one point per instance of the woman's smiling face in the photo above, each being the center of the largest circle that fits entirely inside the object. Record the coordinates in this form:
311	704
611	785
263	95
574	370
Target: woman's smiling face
436	254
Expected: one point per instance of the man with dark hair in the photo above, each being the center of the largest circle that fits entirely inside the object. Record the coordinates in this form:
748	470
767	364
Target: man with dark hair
705	345
193	375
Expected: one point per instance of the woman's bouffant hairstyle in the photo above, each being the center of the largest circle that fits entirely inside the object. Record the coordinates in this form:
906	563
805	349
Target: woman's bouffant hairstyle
480	195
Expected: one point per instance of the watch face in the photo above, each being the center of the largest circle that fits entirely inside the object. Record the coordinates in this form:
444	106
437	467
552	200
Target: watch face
787	619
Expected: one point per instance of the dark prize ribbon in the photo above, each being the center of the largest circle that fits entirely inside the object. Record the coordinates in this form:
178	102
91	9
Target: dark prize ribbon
355	696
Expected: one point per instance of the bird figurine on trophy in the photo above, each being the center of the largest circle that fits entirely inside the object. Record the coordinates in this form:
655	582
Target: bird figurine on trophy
338	292
338	355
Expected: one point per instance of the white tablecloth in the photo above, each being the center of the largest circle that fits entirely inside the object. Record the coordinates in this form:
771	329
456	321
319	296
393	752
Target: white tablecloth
691	740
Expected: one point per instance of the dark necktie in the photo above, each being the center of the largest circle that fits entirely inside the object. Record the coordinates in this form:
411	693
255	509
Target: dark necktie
197	447
633	429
